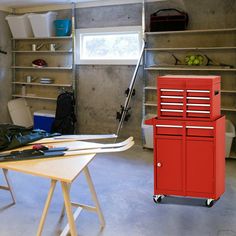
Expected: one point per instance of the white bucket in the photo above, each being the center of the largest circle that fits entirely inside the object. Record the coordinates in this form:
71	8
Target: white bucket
147	131
230	134
20	26
42	24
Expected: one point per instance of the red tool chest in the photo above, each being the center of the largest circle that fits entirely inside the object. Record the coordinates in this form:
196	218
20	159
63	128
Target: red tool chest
189	138
188	97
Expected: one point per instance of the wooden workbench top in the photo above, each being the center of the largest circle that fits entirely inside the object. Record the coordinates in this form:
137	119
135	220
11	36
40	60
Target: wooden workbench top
59	168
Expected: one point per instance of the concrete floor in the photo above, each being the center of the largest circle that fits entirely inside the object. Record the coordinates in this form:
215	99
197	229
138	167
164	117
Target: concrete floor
124	185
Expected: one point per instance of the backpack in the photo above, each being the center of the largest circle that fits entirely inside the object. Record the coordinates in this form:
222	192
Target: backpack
14	136
65	118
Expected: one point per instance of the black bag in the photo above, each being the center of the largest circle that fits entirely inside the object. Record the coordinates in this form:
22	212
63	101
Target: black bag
14	136
65	119
168	20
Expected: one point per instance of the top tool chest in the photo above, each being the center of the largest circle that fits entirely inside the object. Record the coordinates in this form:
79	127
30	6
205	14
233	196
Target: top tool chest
188	97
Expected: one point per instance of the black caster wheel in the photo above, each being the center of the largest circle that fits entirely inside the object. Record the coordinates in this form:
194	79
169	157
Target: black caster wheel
157	198
209	202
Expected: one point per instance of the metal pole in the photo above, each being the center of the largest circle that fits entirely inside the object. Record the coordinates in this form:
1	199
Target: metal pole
132	83
74	80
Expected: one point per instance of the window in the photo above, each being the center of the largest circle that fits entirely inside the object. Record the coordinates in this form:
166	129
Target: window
118	45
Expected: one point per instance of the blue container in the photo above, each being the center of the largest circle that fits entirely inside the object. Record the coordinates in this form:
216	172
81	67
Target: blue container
63	27
43	120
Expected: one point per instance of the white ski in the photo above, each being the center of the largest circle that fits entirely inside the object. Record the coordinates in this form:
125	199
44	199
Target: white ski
74	146
73	149
99	150
71	138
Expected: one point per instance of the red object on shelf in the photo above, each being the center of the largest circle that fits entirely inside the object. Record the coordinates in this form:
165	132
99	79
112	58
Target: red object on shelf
189	157
188	97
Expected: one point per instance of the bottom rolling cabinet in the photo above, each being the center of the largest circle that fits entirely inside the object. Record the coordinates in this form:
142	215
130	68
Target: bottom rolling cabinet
189	158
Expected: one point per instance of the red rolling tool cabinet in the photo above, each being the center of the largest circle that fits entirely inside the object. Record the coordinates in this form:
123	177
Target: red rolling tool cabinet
189	152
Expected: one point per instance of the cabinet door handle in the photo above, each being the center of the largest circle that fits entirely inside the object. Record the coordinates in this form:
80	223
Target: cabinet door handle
199	127
172	104
168	110
198	91
198	105
172	90
200	112
169	126
198	98
172	97
159	164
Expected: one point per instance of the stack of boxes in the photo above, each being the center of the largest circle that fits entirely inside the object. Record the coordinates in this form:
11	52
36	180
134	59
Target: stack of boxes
189	138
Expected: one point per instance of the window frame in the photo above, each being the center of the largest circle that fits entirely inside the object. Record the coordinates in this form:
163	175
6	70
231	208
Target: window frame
103	31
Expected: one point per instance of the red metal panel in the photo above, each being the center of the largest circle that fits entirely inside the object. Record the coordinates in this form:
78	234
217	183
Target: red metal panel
169	158
220	157
199	166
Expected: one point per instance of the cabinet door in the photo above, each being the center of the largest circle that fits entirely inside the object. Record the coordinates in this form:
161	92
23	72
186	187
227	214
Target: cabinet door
169	164
200	166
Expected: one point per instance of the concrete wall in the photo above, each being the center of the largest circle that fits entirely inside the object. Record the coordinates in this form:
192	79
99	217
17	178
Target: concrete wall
5	71
101	88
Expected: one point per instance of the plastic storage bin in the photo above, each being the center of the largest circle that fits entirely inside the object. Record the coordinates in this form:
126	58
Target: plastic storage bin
147	131
230	134
43	119
63	27
20	26
42	24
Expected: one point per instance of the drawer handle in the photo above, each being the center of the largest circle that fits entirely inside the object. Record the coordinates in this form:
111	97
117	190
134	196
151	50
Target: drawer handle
171	104
198	91
169	126
198	98
168	110
196	105
201	112
172	97
199	127
172	90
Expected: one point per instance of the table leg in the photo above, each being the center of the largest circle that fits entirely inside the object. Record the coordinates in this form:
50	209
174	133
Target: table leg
47	204
94	196
5	172
63	208
66	195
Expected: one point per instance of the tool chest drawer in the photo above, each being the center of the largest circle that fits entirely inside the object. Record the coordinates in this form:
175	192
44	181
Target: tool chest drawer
188	97
200	129
183	128
168	128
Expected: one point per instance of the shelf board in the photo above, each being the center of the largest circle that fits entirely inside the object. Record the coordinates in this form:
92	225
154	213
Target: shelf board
192	31
39	84
190	49
43	51
33	97
150	88
228	91
150	104
42	68
228	109
44	38
189	68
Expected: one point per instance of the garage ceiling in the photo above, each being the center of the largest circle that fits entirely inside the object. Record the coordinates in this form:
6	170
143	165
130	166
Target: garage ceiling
28	3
